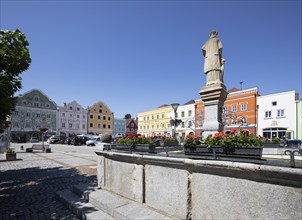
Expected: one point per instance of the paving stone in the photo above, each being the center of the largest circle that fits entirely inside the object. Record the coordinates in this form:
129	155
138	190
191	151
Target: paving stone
28	186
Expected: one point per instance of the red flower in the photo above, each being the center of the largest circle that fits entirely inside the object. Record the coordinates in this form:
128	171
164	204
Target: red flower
233	131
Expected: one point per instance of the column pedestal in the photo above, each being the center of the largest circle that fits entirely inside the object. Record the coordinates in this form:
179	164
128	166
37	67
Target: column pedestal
213	97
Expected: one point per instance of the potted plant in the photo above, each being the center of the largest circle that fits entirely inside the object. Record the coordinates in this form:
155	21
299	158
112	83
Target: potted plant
10	154
136	143
235	144
274	142
191	141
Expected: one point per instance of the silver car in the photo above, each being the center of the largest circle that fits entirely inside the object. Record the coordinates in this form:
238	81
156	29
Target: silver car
92	141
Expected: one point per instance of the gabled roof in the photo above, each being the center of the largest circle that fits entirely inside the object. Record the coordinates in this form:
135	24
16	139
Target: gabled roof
190	102
233	90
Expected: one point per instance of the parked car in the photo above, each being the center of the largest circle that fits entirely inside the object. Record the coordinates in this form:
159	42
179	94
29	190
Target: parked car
79	140
92	141
294	143
54	139
34	140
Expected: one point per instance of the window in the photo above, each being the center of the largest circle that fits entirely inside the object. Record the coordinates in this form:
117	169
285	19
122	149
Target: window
100	111
162	125
38	115
109	118
78	116
70	115
152	117
36	104
157	116
182	124
70	125
274	103
182	114
190	113
84	116
190	124
108	126
91	125
99	126
268	114
63	114
70	107
162	115
280	112
199	113
77	126
104	126
243	107
91	116
27	114
104	117
63	125
99	117
234	108
78	108
225	108
83	126
36	98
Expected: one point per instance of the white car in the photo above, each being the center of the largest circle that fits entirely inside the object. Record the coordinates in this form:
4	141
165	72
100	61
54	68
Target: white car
92	141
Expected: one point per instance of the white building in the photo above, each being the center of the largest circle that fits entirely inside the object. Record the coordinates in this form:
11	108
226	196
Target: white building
186	113
277	115
72	119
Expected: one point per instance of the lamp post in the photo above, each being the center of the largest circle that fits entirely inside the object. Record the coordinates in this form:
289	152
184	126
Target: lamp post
174	106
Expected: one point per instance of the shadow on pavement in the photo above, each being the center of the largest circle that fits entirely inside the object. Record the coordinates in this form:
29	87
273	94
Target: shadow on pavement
30	193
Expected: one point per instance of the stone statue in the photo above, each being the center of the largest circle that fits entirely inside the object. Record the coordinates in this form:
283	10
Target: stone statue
213	64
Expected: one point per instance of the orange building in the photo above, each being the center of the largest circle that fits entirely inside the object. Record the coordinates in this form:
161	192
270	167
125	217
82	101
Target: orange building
239	111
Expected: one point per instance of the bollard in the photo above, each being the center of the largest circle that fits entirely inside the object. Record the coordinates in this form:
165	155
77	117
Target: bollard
214	154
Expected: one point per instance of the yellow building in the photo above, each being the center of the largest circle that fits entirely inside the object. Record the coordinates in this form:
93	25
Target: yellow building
100	119
155	122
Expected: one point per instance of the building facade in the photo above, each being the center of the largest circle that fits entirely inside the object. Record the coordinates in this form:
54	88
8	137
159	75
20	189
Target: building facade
186	113
100	119
131	126
72	119
277	115
119	127
155	122
34	110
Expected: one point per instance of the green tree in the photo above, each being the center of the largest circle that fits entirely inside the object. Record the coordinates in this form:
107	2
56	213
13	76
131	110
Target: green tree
127	116
14	59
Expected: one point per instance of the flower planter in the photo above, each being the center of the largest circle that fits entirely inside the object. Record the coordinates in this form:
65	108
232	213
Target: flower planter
217	151
10	156
169	144
271	145
123	147
150	148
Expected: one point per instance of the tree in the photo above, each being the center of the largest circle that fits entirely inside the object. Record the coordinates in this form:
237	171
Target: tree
14	59
127	116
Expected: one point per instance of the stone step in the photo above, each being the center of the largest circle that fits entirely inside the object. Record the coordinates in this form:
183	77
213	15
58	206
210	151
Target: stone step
118	206
80	207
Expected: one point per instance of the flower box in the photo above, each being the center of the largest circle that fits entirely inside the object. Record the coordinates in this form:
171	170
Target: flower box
271	145
150	148
254	152
169	144
10	156
124	147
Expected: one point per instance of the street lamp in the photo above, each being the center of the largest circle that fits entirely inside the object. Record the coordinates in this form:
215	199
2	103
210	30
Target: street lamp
174	106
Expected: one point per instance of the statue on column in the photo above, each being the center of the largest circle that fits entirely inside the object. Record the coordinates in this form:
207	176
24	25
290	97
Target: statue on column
213	63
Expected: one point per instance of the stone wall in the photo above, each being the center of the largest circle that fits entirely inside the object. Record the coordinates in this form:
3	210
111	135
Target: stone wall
200	189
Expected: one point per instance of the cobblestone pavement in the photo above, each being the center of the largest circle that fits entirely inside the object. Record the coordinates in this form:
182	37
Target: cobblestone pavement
28	185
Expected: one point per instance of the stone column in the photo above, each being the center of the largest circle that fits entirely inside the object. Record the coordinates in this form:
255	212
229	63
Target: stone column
213	97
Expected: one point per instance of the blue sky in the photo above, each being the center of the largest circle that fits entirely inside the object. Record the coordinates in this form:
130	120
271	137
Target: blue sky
137	55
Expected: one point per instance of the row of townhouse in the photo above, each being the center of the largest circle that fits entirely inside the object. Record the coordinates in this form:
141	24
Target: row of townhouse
34	110
274	115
